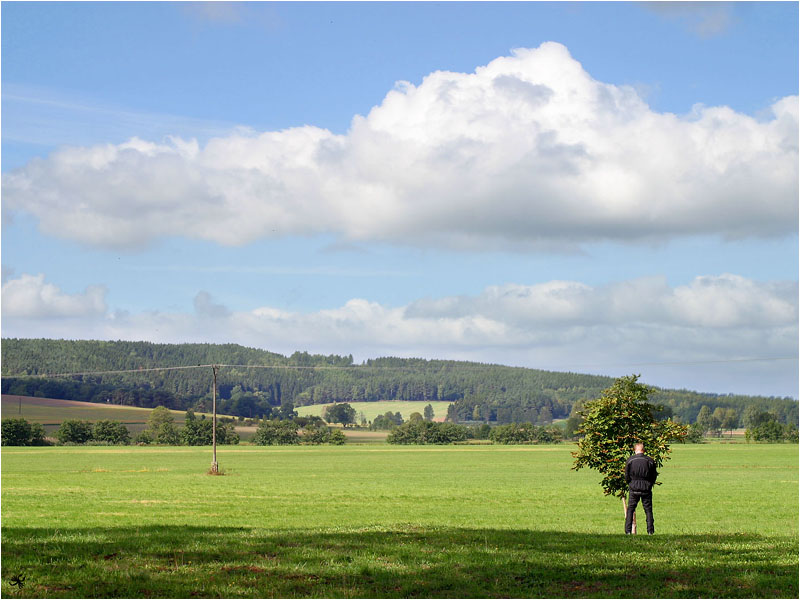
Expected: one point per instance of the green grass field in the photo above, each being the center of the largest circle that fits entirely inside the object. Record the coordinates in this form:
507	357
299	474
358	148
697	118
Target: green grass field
384	521
373	409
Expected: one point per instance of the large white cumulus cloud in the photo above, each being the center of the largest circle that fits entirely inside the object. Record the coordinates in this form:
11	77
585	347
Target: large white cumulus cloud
528	150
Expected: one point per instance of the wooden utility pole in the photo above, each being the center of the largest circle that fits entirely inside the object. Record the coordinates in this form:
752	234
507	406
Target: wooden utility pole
214	465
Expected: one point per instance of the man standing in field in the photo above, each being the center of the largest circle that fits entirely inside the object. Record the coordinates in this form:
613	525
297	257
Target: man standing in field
640	474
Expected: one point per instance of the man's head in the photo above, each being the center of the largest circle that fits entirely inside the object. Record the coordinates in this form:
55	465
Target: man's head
638	448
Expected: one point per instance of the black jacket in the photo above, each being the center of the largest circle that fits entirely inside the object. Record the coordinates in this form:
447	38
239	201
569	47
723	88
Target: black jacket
640	473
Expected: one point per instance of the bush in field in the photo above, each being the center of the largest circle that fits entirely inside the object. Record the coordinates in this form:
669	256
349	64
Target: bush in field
18	432
161	427
74	431
309	421
166	434
199	432
525	433
427	432
764	427
323	435
143	438
38	435
112	432
695	435
479	432
389	420
276	433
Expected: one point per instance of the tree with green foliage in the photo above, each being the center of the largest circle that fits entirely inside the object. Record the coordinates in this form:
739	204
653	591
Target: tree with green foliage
704	419
161	427
286	412
612	424
695	434
571	426
112	432
74	431
730	420
427	412
340	413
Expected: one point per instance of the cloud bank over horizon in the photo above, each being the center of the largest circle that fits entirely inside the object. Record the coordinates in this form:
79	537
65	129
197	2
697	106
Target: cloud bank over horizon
559	325
528	152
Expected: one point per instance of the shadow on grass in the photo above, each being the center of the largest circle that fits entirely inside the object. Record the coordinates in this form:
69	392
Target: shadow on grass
185	562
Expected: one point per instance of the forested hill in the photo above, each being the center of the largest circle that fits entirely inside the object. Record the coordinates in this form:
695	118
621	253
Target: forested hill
479	392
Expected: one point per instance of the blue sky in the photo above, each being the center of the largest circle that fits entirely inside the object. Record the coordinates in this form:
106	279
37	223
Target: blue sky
596	187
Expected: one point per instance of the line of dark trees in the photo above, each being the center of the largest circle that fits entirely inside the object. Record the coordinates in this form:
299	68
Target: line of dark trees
479	393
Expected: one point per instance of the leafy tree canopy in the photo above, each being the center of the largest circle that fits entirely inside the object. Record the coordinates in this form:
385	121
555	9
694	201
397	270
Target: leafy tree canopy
611	425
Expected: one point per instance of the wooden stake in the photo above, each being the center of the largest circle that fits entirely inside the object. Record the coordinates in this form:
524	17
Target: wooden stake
214	465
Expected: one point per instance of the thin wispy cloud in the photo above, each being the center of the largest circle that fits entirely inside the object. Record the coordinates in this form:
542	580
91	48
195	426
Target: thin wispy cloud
47	117
323	271
233	14
704	19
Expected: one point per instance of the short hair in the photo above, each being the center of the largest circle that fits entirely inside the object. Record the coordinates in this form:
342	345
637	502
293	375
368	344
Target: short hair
638	445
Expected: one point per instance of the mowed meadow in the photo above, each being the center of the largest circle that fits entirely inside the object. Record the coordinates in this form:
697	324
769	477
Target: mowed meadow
370	410
386	521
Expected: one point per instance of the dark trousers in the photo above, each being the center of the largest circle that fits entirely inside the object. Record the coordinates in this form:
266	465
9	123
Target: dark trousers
647	502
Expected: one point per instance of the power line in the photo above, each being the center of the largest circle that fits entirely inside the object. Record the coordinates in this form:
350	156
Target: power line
354	368
115	372
209	366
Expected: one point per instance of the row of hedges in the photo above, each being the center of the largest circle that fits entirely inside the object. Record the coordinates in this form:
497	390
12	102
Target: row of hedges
525	433
286	433
426	432
19	432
